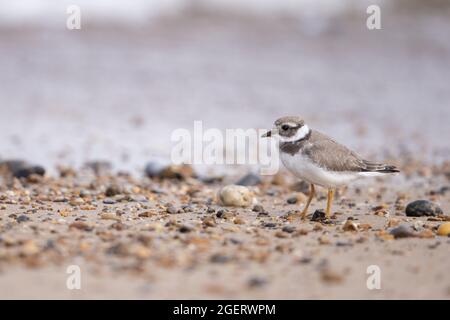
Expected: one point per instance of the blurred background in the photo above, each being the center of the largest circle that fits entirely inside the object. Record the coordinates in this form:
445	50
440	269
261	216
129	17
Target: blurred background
137	70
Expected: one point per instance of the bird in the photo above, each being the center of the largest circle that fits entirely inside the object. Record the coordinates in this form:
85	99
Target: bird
319	160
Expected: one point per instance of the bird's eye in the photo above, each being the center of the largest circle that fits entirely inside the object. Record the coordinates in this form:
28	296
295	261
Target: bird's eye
284	127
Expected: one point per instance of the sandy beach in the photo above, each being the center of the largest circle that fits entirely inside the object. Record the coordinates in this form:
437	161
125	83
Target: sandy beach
115	92
161	238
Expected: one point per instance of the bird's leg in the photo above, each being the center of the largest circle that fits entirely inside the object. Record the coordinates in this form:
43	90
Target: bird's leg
311	195
329	202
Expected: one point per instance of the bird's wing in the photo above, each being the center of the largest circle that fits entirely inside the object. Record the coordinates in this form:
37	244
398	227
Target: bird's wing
334	156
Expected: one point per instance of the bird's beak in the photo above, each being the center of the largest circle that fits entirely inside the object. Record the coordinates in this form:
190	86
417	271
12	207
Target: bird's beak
269	133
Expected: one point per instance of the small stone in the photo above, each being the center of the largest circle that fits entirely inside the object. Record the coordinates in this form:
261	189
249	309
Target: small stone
281	234
297	198
344	244
224	214
238	221
382	234
110	216
179	172
209	222
403	231
256	282
426	234
28	171
76	201
421	208
393	222
137	198
292	200
155	168
270	225
219	258
279	179
147	214
330	276
21	169
350	226
109	201
171	209
249	180
142	252
318	215
22	218
324	240
185	229
288	229
30	248
80	226
258	208
112	190
236	196
444	229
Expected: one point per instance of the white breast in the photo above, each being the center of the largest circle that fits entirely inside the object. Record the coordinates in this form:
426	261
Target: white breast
303	168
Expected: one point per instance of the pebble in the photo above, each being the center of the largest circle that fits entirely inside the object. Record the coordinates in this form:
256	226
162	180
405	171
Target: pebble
219	258
27	171
324	240
297	198
76	201
258	208
209	222
421	208
318	215
110	216
22	218
238	221
270	225
249	180
179	172
403	231
292	200
137	198
112	190
350	226
184	229
109	201
80	226
256	282
236	196
444	229
155	168
224	214
330	276
21	169
171	209
288	229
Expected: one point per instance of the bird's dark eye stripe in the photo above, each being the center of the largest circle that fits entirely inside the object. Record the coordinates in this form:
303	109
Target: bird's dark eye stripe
285	127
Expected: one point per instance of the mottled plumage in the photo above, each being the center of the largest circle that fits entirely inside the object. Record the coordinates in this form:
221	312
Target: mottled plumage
318	159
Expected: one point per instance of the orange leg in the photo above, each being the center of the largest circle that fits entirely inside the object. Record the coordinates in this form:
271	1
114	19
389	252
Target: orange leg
311	196
329	202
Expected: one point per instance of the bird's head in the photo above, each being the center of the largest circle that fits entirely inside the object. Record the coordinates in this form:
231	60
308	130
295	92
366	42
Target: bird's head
289	129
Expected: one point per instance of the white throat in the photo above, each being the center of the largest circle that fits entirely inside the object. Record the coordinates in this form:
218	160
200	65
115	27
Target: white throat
301	133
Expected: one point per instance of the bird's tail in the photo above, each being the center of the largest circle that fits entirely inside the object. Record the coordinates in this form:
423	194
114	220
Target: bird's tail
370	166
